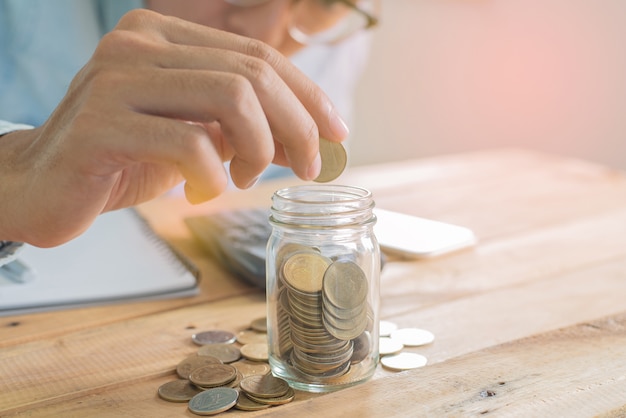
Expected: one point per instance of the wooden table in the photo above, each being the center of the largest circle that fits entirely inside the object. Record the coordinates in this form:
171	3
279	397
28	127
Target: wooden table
531	323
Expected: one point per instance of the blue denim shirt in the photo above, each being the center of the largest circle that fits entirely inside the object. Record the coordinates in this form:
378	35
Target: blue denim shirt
43	44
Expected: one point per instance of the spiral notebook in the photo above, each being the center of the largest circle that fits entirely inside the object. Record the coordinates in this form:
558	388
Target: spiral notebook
119	258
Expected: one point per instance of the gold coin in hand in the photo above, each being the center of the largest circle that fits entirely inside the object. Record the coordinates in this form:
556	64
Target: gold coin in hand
334	159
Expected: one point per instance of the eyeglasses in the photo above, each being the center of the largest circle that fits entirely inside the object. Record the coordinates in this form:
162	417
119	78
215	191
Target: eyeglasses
326	21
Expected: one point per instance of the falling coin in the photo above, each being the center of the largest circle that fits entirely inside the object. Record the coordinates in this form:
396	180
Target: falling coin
334	159
403	361
413	337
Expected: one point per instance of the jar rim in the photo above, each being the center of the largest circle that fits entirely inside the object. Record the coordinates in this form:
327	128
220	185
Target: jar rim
316	205
346	194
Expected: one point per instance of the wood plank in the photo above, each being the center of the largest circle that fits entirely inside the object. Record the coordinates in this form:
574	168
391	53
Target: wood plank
574	372
78	363
507	262
531	376
51	371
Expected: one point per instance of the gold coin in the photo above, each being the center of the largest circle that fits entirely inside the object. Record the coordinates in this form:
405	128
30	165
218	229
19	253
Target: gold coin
280	400
178	391
304	272
334	159
255	351
227	353
213	375
213	401
193	362
264	386
259	324
250	368
249	336
244	403
345	285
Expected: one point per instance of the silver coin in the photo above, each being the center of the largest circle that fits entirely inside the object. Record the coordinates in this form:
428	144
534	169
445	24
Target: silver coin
388	346
413	337
213	337
227	353
403	361
345	285
213	401
386	328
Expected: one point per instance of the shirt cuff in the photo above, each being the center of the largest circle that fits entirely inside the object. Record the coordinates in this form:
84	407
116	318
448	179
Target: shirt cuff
6	127
9	251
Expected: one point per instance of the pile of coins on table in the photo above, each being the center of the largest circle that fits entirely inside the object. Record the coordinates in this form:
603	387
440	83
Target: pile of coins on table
392	342
324	319
216	378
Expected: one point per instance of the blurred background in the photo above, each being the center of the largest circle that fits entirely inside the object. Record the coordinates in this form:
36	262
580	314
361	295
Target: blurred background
452	75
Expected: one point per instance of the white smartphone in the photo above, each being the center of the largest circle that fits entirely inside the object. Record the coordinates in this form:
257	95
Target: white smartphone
414	237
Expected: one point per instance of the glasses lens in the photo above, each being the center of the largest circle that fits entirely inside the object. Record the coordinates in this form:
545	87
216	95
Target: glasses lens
328	21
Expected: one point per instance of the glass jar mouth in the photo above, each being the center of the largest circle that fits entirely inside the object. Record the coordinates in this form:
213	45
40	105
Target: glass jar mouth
322	206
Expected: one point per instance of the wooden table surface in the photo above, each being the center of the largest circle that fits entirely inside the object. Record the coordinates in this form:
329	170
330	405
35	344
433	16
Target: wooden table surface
529	323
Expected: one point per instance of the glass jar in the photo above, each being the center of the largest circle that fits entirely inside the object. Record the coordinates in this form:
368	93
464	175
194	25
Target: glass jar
323	275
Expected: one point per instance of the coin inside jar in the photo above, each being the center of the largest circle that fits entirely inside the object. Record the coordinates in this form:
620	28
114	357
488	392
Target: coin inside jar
304	271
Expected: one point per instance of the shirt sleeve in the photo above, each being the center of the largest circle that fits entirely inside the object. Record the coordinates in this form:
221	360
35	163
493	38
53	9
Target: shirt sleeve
6	127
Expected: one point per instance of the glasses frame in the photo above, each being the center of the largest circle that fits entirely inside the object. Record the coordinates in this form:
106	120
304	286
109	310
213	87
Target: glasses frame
371	20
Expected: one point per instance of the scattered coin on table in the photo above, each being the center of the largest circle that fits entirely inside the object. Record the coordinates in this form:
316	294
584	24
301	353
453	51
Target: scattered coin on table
413	337
213	401
386	328
192	362
388	346
403	361
181	390
216	378
213	337
227	353
255	351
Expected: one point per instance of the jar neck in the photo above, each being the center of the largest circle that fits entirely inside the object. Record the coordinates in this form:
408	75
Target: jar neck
322	206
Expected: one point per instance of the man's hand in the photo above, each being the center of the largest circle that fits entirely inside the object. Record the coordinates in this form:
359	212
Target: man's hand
161	100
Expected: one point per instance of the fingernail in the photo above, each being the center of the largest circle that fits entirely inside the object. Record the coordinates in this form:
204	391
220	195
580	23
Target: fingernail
253	182
315	168
337	125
